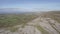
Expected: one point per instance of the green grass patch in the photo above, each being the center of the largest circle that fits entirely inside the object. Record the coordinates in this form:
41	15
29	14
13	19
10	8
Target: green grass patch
42	30
9	20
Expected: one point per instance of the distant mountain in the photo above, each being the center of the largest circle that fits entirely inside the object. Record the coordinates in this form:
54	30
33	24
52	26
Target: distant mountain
11	10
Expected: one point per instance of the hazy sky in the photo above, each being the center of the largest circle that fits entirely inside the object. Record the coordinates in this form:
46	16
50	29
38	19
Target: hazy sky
31	4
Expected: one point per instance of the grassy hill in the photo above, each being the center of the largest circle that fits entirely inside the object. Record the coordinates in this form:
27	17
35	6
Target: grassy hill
9	20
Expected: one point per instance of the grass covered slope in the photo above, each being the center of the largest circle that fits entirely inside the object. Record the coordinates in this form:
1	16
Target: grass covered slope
8	20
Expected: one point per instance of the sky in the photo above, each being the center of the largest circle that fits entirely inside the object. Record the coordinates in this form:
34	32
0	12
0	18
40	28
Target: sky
31	5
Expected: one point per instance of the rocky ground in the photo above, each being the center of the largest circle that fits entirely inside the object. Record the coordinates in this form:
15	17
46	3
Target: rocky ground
39	25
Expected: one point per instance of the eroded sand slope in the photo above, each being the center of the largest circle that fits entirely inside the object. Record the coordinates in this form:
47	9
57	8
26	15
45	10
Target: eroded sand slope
39	25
